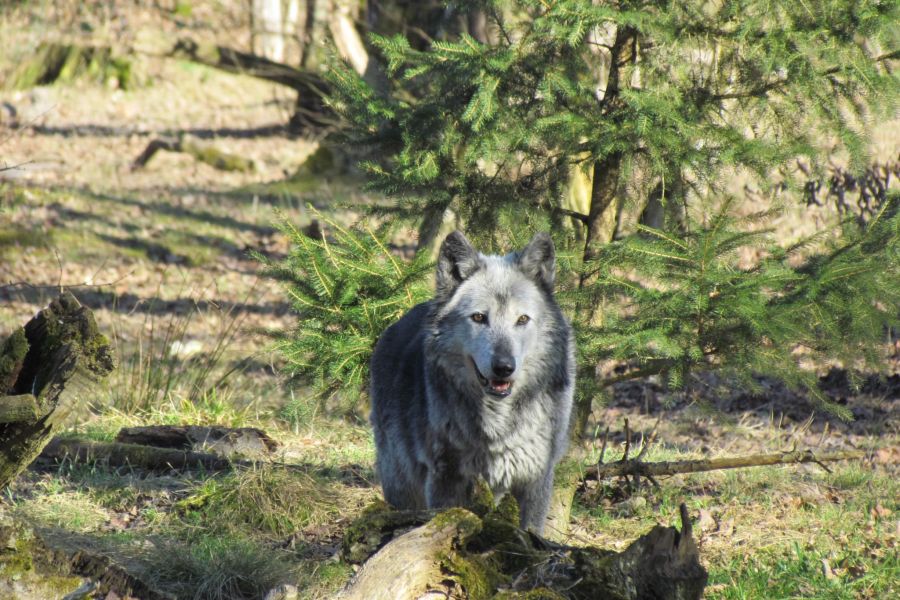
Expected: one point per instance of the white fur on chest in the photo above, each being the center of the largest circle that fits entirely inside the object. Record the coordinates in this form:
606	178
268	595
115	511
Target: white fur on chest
522	454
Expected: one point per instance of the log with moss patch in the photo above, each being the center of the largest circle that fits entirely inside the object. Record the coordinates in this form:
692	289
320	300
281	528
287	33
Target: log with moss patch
484	554
46	368
205	153
54	62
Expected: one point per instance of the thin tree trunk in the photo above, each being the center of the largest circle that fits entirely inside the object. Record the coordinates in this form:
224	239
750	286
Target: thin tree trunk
601	219
605	180
268	29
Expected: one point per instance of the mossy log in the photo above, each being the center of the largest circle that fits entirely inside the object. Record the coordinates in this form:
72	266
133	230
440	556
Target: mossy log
54	556
459	554
205	153
231	442
45	369
54	62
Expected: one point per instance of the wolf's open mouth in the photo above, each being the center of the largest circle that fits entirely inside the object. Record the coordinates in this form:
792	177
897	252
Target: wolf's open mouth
494	387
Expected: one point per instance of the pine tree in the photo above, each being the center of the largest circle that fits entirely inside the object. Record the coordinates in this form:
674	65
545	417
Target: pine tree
345	288
675	97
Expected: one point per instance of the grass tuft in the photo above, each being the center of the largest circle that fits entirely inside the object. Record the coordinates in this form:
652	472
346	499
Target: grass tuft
264	498
218	568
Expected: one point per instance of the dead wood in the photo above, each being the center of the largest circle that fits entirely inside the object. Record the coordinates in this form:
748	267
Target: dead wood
459	554
56	360
223	441
650	470
205	153
18	409
410	565
57	553
116	455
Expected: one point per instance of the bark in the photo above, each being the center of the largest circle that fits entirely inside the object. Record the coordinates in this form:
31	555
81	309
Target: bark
116	455
459	554
223	441
411	564
66	356
637	468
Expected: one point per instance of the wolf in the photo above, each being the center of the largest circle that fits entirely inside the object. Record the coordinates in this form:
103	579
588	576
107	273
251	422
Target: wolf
476	383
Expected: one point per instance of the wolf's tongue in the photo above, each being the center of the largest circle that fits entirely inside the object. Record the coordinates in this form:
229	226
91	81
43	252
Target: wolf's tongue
500	386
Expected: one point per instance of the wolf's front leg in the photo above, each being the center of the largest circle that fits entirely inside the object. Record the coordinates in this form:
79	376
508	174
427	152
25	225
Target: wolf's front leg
445	485
534	502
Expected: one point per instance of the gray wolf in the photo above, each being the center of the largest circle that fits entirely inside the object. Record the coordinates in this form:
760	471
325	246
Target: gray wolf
476	383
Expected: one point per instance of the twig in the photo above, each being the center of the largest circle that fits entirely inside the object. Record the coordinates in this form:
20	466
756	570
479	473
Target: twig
603	447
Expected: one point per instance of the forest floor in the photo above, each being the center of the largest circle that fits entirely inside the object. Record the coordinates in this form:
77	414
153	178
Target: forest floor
161	255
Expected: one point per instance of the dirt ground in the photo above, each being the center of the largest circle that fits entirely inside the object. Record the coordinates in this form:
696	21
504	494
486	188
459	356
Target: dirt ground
162	253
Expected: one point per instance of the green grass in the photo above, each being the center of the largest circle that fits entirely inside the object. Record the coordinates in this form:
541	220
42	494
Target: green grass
263	499
800	572
218	568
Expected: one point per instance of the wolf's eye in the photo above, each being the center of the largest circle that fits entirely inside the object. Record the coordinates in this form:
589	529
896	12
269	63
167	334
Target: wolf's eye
523	319
479	317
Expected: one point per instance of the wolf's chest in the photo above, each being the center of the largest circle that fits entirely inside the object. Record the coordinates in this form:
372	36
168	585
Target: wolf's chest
522	454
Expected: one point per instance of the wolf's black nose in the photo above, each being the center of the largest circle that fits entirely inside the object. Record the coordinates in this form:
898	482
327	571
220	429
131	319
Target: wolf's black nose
503	366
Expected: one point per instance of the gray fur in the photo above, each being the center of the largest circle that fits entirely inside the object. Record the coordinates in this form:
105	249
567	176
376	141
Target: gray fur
440	423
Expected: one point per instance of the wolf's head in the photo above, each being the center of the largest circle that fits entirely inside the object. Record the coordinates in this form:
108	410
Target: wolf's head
496	313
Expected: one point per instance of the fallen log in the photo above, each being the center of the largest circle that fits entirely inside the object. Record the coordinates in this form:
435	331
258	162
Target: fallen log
117	455
46	368
458	554
634	469
53	553
228	442
650	470
205	153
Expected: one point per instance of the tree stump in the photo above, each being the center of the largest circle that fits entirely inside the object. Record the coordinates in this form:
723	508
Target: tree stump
46	367
460	554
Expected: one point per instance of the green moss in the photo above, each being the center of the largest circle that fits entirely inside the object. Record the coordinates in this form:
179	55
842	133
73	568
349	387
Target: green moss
218	159
15	238
482	498
63	63
466	523
367	532
507	510
477	575
568	471
12	356
17	559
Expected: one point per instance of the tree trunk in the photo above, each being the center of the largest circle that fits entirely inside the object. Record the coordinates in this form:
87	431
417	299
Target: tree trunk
64	357
605	177
268	29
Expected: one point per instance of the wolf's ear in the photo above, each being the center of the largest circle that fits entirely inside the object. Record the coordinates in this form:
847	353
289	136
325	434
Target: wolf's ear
456	263
538	259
